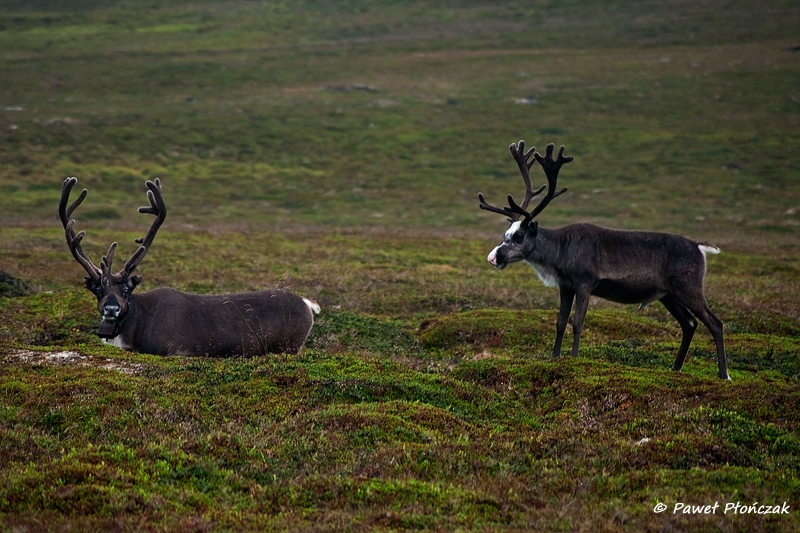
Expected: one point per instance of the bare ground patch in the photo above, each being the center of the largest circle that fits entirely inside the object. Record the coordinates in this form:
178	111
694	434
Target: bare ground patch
67	358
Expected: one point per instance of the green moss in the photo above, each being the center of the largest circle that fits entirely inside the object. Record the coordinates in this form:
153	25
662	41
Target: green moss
11	286
336	330
426	398
487	329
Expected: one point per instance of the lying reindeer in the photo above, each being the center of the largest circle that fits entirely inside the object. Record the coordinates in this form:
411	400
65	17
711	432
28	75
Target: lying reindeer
165	321
621	266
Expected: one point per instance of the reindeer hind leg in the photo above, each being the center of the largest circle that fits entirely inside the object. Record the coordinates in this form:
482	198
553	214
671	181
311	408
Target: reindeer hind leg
688	326
714	325
692	298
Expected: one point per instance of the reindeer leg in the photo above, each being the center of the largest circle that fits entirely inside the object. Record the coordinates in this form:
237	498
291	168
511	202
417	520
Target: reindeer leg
714	325
581	306
567	296
688	326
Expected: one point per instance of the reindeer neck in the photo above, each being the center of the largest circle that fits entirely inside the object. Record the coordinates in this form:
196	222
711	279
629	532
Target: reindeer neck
547	246
128	324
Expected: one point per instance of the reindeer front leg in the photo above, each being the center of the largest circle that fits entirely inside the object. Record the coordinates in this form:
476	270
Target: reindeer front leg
567	297
581	306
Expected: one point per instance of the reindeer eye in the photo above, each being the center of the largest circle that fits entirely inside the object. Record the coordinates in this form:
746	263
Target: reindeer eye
518	237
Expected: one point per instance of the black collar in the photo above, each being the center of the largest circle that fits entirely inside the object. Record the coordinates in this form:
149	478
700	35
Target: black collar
108	330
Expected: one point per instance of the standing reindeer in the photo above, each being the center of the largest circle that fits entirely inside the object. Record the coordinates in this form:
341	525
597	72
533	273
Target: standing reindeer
165	321
621	266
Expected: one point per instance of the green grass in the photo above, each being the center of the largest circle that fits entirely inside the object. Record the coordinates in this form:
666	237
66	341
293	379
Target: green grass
425	398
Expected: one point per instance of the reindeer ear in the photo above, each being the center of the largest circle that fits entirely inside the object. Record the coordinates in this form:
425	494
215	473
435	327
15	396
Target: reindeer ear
94	287
133	281
533	228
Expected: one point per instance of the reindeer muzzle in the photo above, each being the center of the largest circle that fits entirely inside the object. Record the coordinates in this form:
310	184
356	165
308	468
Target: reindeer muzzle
108	330
493	260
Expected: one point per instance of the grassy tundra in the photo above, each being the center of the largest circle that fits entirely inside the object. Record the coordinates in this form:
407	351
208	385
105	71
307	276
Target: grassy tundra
336	149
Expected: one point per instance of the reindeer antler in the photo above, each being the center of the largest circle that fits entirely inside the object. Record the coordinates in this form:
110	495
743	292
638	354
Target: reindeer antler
525	161
73	240
158	208
551	168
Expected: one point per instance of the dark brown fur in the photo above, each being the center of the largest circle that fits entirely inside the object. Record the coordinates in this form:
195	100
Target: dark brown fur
621	266
165	321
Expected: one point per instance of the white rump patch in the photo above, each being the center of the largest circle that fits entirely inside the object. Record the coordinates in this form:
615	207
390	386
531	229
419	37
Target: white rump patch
314	306
708	249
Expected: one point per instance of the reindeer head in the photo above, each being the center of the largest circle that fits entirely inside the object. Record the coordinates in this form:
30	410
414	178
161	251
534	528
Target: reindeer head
520	238
112	290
